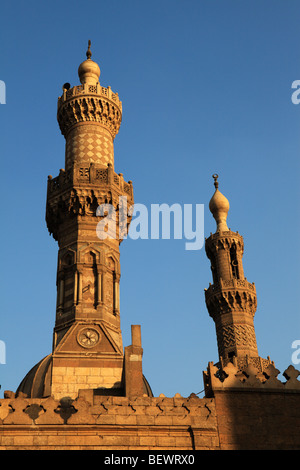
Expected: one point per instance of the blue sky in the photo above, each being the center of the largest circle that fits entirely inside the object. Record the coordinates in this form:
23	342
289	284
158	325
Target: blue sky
206	88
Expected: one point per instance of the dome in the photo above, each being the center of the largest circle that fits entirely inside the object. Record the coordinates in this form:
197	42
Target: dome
219	207
89	71
37	383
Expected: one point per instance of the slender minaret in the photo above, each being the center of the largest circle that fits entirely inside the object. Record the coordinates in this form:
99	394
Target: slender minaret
87	341
231	299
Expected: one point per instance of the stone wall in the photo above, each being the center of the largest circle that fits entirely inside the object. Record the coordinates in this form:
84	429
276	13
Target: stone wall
258	421
242	410
108	423
255	410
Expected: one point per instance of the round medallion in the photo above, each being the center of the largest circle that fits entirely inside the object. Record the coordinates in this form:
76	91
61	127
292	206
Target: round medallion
88	337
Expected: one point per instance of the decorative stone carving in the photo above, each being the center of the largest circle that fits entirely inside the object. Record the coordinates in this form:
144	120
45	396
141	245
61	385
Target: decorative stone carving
249	377
82	193
229	295
239	335
88	337
85	104
107	410
223	240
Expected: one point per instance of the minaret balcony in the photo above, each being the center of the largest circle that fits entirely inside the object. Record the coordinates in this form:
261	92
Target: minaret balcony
88	175
88	89
231	295
89	103
80	191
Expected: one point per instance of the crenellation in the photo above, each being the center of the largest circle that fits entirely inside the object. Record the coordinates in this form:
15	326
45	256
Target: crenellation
43	410
250	378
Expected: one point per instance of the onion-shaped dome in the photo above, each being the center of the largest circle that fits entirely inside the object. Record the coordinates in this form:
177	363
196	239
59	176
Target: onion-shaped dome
219	207
89	71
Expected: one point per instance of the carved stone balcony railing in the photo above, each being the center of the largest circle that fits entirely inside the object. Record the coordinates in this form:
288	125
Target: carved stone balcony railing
224	284
89	103
87	176
223	239
81	190
88	89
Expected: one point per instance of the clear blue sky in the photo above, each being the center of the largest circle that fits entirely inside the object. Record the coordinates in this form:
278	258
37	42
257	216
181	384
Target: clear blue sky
206	88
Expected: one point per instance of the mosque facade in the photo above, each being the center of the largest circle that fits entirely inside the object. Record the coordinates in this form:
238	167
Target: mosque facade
90	393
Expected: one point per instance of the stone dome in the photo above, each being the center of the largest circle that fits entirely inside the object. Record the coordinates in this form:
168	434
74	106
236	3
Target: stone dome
219	207
89	71
37	382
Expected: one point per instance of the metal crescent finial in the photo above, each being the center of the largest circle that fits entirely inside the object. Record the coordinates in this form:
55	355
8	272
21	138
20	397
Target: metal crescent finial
88	52
215	177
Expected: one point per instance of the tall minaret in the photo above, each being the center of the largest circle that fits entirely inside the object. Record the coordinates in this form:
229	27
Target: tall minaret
87	341
231	299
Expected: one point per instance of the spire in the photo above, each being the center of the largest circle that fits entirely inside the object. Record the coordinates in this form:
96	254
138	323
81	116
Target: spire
88	52
87	332
219	207
89	71
231	299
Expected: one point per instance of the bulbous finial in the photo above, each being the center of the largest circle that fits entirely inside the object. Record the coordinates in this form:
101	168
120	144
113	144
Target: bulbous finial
89	71
219	207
